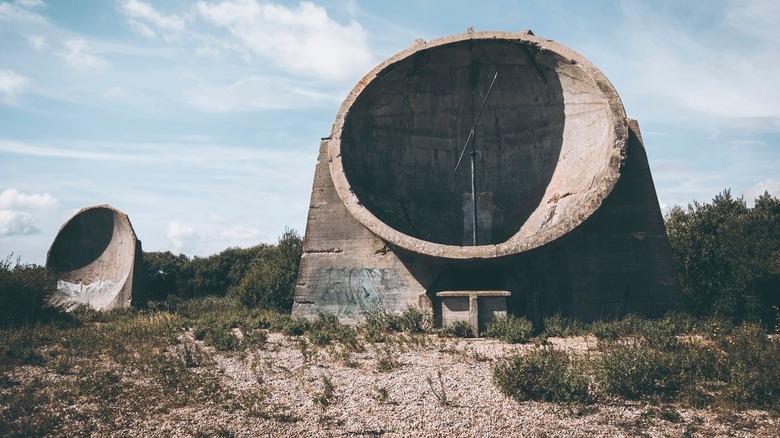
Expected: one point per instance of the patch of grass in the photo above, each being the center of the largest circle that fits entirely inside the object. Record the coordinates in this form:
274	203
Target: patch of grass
510	329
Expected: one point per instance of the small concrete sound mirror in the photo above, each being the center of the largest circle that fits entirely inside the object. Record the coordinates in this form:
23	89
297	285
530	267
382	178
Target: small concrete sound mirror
97	260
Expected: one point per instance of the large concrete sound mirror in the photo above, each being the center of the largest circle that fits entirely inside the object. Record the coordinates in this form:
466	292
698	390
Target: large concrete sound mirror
556	214
97	260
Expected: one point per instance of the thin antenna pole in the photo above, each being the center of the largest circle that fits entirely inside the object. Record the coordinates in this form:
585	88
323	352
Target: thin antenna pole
473	154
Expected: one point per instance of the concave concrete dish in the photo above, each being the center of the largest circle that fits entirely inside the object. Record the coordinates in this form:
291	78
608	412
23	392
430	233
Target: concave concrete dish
94	258
551	142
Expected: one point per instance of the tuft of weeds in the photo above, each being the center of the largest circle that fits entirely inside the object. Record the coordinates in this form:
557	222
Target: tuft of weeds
326	328
438	391
510	329
557	326
386	361
326	396
378	325
381	394
458	329
543	375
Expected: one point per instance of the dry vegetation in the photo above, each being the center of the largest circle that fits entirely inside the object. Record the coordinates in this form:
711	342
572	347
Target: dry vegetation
210	367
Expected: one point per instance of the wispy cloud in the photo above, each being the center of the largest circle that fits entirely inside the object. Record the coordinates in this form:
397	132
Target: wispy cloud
77	57
712	62
240	233
19	12
13	84
771	185
303	40
38	42
182	237
146	20
257	92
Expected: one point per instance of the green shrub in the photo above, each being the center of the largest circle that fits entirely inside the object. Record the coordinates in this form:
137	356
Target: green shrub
270	282
378	324
326	327
753	367
458	329
414	320
634	372
510	329
23	292
558	326
543	375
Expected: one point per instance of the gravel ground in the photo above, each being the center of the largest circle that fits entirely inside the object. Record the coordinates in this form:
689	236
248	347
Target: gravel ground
422	386
434	387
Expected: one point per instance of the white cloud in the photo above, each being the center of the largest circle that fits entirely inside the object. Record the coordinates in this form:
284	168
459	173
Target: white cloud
78	59
182	237
241	233
12	83
771	185
30	3
257	92
142	17
17	12
38	42
214	217
17	223
12	199
724	71
304	40
115	92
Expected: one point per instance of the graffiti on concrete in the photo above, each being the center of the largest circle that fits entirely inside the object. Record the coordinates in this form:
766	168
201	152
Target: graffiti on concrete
345	291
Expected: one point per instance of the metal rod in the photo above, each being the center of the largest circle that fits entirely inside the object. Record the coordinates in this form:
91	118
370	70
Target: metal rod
474	190
474	159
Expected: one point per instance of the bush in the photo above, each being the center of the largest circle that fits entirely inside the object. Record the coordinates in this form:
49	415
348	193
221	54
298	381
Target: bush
510	329
634	372
270	283
413	320
726	256
23	292
543	375
753	364
558	326
326	327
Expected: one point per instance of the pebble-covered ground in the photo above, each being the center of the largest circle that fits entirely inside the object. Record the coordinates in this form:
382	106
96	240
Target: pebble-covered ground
410	387
442	388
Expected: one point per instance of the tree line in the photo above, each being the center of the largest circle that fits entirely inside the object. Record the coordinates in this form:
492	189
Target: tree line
727	255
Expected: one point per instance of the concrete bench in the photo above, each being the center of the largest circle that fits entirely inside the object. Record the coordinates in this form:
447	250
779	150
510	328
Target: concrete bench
477	307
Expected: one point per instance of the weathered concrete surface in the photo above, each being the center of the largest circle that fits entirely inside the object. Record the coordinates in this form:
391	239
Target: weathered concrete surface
568	220
97	260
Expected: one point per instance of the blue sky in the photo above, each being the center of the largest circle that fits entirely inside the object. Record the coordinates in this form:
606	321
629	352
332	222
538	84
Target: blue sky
201	119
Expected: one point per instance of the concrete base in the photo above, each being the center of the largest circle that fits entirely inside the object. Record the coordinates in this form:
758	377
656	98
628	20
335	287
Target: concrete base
477	307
